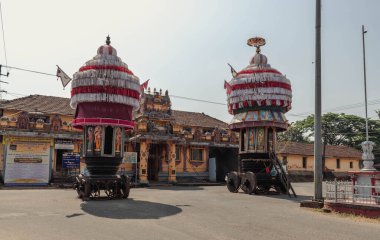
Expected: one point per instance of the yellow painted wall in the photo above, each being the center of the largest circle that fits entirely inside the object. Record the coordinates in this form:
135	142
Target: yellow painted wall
200	166
295	163
344	164
179	164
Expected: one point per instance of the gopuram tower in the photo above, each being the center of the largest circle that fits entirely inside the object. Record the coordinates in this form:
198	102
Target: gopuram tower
104	93
258	98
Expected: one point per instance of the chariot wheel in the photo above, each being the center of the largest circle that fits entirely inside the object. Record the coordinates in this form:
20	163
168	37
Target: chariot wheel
125	187
233	182
110	189
249	182
87	191
95	190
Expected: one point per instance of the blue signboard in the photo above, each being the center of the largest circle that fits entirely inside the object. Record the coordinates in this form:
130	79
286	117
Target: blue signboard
70	160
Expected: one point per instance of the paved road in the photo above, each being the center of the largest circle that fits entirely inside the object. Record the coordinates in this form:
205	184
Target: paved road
171	213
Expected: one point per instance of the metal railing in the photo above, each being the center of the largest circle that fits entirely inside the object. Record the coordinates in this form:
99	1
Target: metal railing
346	192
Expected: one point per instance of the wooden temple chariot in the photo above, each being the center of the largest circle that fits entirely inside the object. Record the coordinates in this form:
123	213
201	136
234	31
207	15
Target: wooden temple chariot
258	96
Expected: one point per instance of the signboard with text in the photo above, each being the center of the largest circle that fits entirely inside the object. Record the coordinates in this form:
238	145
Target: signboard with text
70	160
27	162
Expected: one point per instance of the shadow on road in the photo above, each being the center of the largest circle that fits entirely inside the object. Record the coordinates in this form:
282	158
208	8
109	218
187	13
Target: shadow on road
299	198
129	209
176	188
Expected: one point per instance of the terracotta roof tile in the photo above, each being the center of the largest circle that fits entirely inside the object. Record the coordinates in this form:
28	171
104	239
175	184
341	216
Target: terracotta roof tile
59	105
307	149
40	103
197	119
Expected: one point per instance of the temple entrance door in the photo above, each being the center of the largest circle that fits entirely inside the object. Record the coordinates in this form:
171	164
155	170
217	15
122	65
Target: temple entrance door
154	155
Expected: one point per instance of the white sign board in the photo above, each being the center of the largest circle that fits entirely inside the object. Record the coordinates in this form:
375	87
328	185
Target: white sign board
27	162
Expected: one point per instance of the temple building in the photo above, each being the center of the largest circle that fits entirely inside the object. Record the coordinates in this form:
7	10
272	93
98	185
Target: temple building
36	135
175	145
39	144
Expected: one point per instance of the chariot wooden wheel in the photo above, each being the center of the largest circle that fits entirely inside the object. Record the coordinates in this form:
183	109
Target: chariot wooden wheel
249	182
110	190
125	187
233	182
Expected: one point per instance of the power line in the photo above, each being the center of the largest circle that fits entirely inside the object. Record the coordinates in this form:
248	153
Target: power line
2	28
32	71
302	114
198	100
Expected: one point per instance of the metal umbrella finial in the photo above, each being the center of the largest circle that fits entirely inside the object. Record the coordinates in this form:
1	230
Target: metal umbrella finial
108	41
256	42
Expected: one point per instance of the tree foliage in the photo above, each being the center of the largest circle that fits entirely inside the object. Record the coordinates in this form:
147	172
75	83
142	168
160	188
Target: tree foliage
337	129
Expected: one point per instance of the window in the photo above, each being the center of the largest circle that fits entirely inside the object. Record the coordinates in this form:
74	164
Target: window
197	154
351	165
337	163
177	153
304	162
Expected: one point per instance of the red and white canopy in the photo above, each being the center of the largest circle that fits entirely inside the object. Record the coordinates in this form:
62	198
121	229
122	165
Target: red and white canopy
105	91
258	87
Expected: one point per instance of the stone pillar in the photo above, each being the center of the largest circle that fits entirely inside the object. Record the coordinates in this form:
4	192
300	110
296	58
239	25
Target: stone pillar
171	164
144	154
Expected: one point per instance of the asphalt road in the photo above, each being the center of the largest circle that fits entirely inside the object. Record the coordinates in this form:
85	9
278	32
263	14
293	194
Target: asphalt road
172	213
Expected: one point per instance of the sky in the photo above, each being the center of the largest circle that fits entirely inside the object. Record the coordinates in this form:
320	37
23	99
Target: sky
184	47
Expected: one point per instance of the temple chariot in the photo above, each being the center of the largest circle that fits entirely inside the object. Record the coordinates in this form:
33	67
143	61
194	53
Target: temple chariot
104	93
258	98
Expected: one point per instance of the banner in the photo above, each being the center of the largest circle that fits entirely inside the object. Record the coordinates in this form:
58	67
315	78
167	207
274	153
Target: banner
27	162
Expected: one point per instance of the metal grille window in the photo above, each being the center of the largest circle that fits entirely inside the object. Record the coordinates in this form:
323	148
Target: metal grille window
197	154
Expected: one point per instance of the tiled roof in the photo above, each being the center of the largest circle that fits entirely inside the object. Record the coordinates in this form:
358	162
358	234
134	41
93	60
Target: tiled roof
197	119
307	149
40	103
59	105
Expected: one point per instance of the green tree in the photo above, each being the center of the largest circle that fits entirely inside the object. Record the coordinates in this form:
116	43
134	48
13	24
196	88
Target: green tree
294	133
337	129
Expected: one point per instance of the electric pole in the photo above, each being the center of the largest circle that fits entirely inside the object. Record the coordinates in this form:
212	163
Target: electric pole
318	109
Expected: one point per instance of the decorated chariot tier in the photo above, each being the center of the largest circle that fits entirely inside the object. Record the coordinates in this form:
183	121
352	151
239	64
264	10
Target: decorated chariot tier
104	93
258	95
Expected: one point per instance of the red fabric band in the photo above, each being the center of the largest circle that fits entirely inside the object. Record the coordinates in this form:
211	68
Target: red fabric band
261	85
106	89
